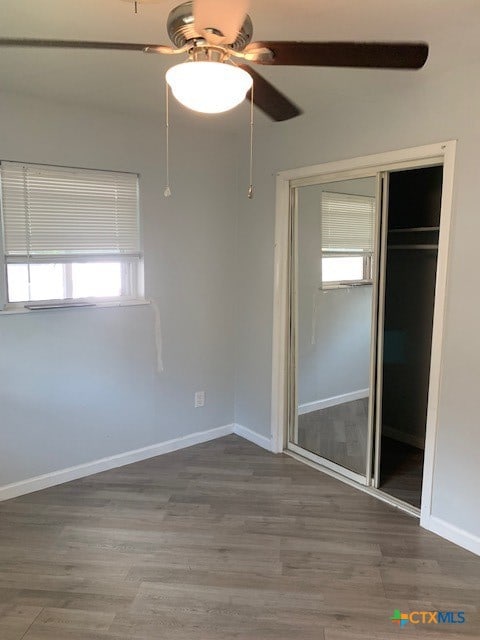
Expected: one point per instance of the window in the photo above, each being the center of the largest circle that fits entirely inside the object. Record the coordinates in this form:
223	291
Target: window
69	234
348	223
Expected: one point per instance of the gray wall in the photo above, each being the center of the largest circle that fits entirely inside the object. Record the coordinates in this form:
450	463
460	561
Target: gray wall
422	113
334	325
78	385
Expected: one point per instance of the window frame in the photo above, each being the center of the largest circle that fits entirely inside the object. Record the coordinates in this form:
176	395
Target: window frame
132	266
131	284
366	254
367	278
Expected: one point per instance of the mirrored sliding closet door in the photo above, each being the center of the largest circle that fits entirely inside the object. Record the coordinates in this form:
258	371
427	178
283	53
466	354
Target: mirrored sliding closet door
332	283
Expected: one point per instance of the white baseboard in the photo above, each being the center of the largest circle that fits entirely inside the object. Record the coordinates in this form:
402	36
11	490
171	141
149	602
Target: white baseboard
449	531
402	436
252	436
308	407
104	464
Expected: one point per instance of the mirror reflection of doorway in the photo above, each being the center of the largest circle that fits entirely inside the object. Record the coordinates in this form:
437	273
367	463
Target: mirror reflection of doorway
335	225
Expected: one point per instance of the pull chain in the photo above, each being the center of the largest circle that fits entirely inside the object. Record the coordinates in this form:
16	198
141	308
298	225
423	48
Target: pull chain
167	193
136	8
250	188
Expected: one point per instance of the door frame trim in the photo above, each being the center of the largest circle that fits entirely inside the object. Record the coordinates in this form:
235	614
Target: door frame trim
391	160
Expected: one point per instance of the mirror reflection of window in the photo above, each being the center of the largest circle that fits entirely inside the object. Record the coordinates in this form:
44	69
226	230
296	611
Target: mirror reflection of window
348	227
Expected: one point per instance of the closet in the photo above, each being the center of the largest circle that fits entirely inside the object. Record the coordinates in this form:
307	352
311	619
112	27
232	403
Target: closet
362	266
406	304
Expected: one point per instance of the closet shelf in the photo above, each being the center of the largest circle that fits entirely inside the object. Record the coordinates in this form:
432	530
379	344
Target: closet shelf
414	229
413	246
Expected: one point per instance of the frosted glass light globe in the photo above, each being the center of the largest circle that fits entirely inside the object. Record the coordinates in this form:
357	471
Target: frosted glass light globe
208	87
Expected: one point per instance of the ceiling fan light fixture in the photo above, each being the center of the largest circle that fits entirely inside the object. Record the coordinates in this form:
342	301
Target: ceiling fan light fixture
207	86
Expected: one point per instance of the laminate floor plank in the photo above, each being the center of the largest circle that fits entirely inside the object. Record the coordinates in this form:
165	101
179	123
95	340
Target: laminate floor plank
401	471
223	541
16	620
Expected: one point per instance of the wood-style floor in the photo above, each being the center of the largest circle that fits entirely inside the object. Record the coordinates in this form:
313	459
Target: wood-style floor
401	471
223	541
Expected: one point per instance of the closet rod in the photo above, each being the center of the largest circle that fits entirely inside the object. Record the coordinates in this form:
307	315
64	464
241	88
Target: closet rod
413	246
414	229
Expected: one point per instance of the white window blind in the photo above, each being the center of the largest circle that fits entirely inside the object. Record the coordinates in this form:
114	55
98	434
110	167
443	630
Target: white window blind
65	214
347	222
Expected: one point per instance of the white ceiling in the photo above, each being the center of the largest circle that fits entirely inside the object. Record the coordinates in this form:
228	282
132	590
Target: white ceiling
133	82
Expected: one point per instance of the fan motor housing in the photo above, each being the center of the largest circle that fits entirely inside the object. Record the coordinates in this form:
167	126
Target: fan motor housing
181	28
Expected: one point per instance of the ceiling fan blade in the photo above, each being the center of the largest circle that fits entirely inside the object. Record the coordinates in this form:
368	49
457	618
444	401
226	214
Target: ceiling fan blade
219	20
380	55
81	44
269	99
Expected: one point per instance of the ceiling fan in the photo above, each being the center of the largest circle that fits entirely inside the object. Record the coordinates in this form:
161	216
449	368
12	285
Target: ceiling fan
216	38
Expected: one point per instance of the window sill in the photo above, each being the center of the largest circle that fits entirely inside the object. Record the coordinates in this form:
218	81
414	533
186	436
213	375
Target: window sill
8	311
346	285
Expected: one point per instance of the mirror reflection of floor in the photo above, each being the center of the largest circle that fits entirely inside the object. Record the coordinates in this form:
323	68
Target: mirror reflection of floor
337	433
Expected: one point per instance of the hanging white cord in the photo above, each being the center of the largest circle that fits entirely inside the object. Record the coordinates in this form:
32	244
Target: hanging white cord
158	335
250	188
167	193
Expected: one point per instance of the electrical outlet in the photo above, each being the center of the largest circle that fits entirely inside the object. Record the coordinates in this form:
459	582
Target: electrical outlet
199	399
